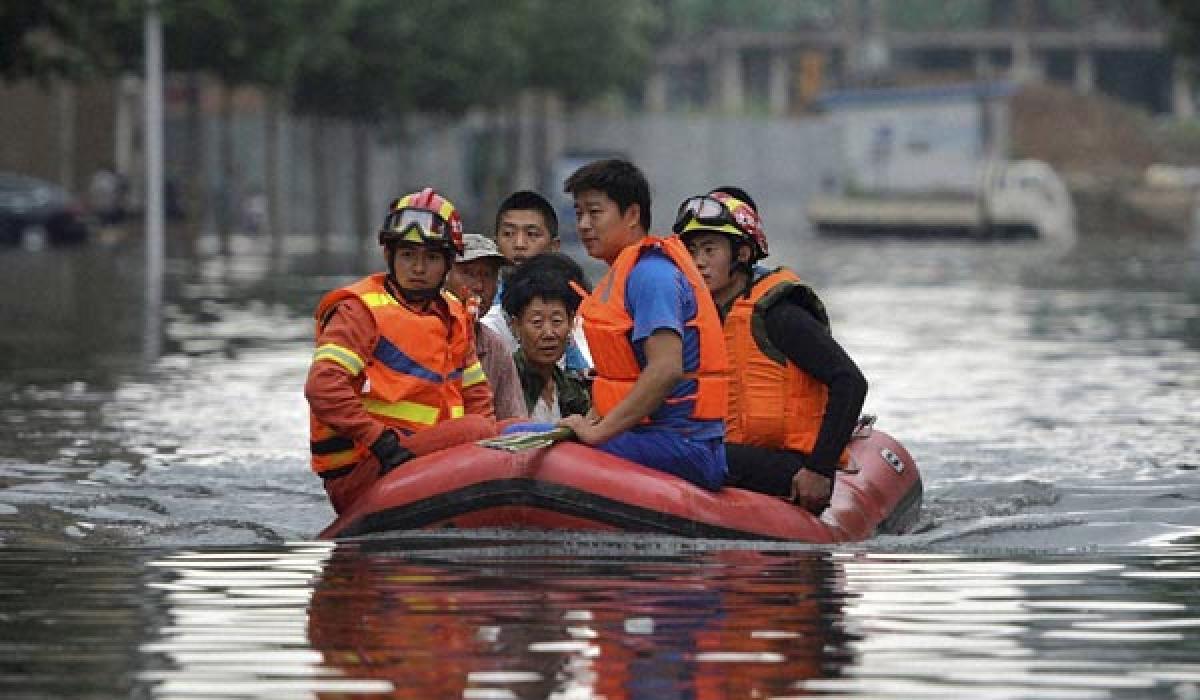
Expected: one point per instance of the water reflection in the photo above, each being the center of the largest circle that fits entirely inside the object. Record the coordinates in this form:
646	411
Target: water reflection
541	622
70	623
561	626
79	315
438	617
73	315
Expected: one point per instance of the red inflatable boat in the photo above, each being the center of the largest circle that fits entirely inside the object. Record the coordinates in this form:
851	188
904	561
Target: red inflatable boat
572	487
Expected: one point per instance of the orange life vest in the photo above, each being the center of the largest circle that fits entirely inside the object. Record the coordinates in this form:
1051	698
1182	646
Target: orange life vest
414	377
772	402
607	326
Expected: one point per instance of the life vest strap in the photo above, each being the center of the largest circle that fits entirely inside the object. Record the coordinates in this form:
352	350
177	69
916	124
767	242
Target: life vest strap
328	446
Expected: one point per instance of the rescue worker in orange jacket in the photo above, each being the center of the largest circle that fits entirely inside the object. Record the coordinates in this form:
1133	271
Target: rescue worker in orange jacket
659	393
395	374
795	395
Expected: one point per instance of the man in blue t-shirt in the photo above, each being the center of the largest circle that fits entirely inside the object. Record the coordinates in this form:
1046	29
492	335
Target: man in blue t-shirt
667	413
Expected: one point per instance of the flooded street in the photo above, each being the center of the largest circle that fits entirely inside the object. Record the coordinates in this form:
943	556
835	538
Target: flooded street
157	514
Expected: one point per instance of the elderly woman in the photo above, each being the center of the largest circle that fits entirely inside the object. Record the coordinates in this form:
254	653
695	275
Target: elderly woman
540	303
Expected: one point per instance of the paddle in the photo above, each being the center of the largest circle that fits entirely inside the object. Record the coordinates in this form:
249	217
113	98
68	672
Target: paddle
517	442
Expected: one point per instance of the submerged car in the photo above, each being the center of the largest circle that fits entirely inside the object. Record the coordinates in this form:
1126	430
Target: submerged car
34	213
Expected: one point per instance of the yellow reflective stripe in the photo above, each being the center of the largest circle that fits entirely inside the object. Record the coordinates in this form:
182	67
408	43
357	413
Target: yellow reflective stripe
446	211
374	299
473	375
403	410
343	356
338	459
457	411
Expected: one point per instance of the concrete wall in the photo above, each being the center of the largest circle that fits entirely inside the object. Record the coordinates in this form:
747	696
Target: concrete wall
781	162
66	136
61	132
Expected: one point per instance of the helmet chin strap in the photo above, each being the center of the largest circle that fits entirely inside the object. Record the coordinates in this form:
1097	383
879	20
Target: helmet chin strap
419	295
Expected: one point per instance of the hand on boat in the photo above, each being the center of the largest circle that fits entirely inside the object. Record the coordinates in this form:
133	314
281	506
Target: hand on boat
585	428
811	491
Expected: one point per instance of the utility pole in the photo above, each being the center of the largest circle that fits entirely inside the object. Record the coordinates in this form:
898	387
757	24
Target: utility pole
154	220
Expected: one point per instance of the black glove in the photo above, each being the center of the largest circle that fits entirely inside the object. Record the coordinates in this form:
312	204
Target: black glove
390	453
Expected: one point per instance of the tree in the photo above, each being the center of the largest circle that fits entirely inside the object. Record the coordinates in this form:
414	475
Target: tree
583	50
1184	18
377	61
369	62
47	39
238	42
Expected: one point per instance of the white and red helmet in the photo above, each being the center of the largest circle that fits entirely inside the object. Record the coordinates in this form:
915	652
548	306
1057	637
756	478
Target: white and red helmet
426	218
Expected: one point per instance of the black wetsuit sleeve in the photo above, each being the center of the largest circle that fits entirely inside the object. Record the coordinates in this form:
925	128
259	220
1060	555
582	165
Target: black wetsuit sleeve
809	345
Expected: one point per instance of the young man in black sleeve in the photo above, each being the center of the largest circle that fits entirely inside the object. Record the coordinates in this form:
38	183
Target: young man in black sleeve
794	394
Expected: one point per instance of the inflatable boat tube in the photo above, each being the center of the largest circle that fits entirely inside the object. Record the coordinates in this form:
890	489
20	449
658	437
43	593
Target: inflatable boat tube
570	486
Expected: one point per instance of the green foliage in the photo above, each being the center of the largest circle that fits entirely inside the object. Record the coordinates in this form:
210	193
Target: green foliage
370	58
467	56
937	14
374	58
1177	140
44	39
696	17
583	49
238	41
1184	18
360	59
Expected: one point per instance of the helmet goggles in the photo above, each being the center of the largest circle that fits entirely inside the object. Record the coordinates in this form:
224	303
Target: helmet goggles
721	213
410	225
703	210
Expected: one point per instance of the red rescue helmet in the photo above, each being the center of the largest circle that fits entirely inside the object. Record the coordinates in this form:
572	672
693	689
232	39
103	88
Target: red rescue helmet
426	218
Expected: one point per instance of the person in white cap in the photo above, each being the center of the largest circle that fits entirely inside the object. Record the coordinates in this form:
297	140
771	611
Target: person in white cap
474	279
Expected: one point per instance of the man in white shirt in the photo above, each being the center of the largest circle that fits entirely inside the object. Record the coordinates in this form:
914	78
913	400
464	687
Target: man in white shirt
526	225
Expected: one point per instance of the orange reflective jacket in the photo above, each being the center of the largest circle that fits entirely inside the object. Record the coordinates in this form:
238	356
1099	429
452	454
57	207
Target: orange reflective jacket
413	378
772	402
608	325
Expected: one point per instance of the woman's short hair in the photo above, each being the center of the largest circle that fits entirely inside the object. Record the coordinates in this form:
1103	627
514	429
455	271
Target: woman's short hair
547	276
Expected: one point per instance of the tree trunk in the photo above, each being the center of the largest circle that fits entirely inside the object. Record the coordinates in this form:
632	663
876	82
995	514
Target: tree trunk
195	178
526	141
228	188
67	110
554	142
361	197
320	181
510	130
273	226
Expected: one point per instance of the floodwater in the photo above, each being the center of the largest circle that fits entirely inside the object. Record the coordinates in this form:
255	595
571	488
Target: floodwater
157	513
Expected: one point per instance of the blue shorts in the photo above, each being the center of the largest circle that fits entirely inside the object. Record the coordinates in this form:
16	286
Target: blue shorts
701	462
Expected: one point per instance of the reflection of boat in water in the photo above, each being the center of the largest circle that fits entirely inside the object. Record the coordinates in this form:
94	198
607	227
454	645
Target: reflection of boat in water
1023	199
573	487
554	620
